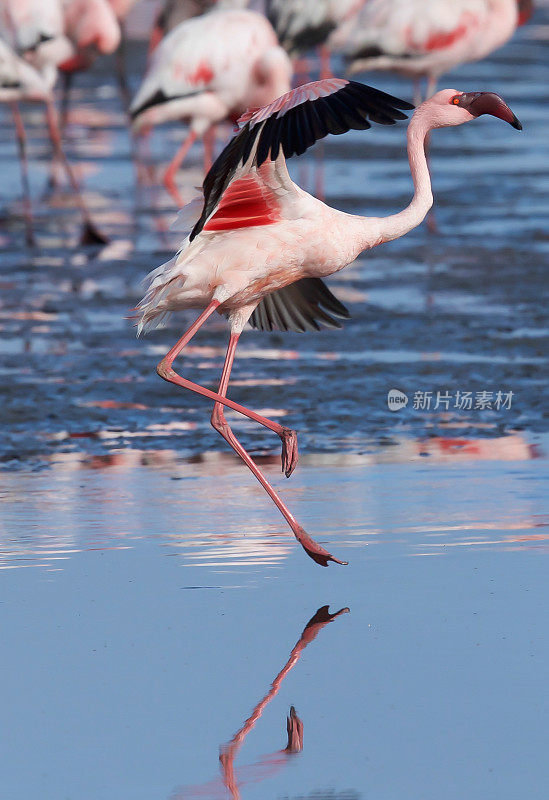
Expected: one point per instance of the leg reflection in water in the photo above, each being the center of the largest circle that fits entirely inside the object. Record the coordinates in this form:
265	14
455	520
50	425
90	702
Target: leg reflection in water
271	763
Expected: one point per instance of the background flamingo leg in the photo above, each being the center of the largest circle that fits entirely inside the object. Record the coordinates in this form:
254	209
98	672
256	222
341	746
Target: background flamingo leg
209	142
325	62
22	145
418	94
90	234
122	69
66	86
175	163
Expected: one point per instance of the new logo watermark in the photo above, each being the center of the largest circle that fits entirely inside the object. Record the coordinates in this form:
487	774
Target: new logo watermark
445	401
396	400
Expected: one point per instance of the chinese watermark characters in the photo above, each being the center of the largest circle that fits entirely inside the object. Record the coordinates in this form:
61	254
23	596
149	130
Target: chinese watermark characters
459	400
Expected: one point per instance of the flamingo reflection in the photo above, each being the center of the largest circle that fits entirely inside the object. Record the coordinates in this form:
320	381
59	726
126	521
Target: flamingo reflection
271	763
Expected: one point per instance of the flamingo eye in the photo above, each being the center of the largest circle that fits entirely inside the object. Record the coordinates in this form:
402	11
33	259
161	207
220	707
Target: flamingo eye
455	100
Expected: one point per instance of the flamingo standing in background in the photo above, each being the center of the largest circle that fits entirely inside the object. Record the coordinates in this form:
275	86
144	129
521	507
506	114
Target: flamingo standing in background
121	9
262	245
175	11
302	25
426	38
207	70
93	29
35	30
19	81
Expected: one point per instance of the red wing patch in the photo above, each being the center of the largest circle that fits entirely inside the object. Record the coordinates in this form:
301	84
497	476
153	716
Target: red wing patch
202	74
440	40
246	203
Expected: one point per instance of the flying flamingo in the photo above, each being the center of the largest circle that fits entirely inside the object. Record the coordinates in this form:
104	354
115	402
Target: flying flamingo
426	38
209	69
262	245
20	81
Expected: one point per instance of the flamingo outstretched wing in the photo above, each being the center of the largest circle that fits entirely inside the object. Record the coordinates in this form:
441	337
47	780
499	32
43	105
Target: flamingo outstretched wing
287	127
305	305
249	184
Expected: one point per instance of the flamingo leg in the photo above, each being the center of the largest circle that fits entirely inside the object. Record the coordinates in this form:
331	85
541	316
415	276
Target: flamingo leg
164	369
175	163
288	437
432	81
66	85
90	234
418	97
121	69
209	142
302	71
325	62
22	144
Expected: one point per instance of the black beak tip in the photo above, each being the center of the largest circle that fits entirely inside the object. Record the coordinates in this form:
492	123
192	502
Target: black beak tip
516	124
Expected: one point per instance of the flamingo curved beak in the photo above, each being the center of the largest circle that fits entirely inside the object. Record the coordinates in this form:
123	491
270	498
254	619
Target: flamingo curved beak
478	103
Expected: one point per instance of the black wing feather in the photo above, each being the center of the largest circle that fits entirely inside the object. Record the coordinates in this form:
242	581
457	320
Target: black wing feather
299	307
297	128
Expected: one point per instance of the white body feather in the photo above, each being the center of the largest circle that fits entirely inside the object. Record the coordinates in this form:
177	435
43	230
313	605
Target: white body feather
429	37
214	66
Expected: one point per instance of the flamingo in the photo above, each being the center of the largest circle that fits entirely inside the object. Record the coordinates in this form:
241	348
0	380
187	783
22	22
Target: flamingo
121	9
93	29
35	30
304	24
261	245
175	11
209	69
19	81
426	38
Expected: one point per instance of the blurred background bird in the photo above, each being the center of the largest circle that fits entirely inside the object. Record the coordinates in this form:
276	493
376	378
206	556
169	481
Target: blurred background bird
207	70
423	39
207	61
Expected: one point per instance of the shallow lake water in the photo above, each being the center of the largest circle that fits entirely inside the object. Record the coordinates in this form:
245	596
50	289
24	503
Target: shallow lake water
156	613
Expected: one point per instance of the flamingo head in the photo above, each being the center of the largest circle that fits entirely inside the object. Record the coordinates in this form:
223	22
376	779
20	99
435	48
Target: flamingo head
450	107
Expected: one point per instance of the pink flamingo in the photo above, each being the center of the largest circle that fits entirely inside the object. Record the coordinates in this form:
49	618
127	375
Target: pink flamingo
35	30
175	11
20	81
262	246
121	9
207	70
93	29
305	24
426	38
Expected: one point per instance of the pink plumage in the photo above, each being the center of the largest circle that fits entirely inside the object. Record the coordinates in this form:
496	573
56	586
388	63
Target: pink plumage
426	38
261	246
207	70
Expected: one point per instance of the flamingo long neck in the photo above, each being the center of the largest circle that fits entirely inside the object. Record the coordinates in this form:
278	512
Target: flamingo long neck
397	225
